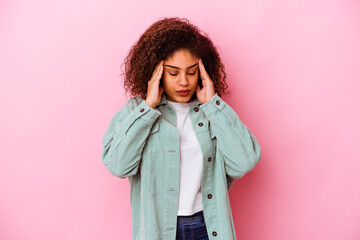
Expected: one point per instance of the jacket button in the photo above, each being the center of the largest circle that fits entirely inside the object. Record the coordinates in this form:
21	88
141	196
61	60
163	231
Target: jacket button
217	102
200	124
214	233
196	109
141	110
209	159
209	196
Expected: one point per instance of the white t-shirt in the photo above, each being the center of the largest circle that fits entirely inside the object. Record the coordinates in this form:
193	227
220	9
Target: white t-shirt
191	162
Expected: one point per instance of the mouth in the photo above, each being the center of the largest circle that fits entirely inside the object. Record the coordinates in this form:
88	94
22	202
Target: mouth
183	92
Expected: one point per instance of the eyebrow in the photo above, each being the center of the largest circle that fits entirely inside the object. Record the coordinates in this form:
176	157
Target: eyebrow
179	68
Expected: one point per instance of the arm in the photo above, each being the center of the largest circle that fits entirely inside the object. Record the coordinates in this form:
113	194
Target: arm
235	142
126	136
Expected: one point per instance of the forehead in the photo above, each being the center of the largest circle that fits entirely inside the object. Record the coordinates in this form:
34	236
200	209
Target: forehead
182	58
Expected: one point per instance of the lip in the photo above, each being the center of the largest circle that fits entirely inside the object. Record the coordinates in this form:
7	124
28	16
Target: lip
183	92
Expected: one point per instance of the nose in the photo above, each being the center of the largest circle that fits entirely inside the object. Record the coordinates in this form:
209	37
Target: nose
183	80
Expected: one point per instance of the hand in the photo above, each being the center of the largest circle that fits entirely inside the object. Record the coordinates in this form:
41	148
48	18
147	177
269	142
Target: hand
154	92
207	92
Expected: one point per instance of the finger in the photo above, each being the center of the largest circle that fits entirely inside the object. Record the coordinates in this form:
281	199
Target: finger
206	79
158	69
203	78
155	70
160	64
203	72
159	74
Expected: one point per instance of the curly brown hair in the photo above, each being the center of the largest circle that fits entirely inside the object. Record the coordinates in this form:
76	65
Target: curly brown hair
158	42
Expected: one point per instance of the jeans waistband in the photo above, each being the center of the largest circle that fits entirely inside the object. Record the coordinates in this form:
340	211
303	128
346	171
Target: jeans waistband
198	214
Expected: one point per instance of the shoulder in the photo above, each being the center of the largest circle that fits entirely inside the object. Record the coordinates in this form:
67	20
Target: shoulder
132	103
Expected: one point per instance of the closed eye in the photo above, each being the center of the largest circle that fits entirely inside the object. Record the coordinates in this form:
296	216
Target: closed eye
174	74
177	74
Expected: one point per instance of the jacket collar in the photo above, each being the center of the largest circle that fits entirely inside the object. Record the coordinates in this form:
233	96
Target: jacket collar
165	101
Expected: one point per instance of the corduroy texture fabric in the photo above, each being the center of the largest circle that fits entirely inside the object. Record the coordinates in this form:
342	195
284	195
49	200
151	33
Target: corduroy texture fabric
142	144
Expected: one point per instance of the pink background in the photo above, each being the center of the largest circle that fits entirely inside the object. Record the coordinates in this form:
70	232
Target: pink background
293	67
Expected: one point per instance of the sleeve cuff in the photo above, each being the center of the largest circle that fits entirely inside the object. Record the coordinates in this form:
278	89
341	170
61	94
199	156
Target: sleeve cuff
213	105
147	113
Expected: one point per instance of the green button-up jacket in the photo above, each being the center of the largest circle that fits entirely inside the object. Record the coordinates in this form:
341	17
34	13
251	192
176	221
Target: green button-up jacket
142	143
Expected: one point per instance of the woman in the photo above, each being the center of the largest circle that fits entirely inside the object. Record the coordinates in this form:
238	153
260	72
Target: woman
180	145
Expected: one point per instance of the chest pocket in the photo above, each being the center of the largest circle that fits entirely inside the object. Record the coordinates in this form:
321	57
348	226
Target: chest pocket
202	125
205	126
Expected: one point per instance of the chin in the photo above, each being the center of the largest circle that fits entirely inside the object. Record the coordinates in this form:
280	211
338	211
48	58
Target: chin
187	98
183	99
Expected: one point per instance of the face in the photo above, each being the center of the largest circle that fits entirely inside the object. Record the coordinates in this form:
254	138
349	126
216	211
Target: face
180	76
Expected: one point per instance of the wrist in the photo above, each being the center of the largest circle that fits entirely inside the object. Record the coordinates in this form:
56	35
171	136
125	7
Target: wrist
150	105
209	99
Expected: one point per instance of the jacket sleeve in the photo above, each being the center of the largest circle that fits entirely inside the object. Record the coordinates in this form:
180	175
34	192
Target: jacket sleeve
236	143
126	136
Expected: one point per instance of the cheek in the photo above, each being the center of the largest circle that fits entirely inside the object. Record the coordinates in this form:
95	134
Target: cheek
166	82
194	80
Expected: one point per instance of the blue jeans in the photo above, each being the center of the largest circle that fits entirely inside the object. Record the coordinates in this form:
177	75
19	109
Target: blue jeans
191	227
